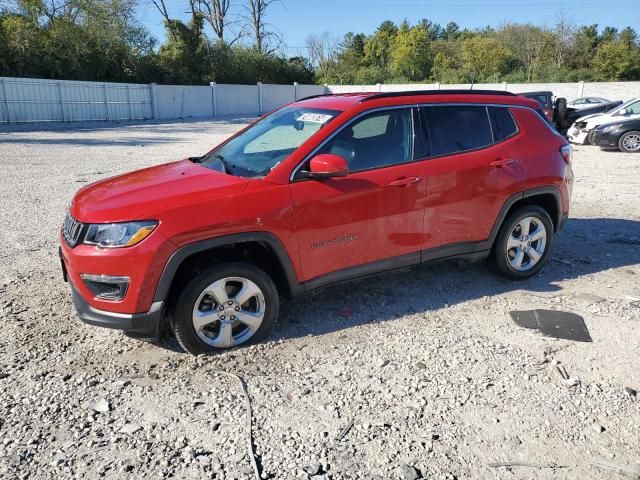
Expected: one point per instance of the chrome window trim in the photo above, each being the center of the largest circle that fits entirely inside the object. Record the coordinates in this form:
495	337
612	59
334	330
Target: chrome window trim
414	106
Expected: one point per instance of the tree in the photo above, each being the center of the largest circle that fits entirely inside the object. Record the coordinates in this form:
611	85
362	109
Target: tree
616	60
322	51
184	58
529	44
434	30
609	34
378	47
410	57
216	13
629	37
585	44
263	35
451	32
483	57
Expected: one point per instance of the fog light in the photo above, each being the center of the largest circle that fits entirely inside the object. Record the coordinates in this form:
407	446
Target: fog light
106	287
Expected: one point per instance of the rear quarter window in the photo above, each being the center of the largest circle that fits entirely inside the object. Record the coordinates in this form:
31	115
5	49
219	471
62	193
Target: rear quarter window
502	123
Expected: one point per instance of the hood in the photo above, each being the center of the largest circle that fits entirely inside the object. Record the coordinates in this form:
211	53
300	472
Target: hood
589	117
143	194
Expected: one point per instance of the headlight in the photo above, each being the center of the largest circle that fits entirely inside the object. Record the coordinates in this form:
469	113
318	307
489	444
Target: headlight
113	235
606	128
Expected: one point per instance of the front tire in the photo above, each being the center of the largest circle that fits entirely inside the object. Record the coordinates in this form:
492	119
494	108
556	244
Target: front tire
523	243
629	142
226	306
589	139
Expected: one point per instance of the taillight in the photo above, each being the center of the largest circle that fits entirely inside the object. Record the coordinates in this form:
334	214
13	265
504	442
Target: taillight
567	152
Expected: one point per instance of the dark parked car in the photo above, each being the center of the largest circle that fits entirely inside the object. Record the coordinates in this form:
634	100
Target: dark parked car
574	114
545	99
563	115
624	136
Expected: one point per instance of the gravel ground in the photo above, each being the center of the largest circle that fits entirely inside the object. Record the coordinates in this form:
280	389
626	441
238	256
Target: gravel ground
416	374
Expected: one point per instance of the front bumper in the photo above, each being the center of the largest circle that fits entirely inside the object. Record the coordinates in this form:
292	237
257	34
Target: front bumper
577	135
606	140
141	324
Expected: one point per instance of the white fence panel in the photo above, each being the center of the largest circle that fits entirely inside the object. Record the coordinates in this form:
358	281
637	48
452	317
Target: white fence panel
36	100
192	101
275	96
237	100
571	91
612	90
353	88
303	91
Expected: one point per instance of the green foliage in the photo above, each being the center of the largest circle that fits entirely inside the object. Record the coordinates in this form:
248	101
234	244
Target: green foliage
102	40
616	60
428	52
410	57
484	58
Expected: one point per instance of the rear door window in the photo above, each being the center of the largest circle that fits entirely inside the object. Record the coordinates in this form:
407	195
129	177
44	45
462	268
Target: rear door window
502	123
456	128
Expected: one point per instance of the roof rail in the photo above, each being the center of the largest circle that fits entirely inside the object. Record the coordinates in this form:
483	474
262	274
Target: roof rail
342	94
437	92
314	96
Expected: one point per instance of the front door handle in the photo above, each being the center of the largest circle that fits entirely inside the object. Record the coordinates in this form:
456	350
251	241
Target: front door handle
403	182
501	162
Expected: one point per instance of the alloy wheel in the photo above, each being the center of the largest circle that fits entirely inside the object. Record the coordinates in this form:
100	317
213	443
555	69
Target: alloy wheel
228	312
526	244
631	142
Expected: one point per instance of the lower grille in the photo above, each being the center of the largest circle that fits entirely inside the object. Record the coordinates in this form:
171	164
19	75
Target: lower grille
72	230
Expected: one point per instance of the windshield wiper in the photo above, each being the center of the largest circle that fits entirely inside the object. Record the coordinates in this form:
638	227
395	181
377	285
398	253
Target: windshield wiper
225	163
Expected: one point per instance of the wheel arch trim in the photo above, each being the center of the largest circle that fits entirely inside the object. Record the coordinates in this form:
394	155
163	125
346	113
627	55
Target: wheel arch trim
532	192
180	255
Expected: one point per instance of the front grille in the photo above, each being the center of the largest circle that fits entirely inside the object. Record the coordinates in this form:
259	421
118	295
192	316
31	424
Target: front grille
72	230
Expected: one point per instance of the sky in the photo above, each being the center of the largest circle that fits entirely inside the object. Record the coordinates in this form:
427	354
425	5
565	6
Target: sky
296	19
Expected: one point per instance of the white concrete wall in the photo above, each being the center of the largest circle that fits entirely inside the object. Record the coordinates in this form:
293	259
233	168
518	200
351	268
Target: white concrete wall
303	91
35	100
184	102
274	96
236	100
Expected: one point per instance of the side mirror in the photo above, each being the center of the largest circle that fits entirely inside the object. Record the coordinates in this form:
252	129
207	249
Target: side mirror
327	165
624	111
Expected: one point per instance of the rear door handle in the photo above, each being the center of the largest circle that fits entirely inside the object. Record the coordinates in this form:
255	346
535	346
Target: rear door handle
403	182
501	162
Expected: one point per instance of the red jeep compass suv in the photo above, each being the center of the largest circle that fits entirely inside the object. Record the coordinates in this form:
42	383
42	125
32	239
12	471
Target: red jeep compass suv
326	189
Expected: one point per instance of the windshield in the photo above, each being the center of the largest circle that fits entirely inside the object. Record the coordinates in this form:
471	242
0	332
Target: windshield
624	105
268	142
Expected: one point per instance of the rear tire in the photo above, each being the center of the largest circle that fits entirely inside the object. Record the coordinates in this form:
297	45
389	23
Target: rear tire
523	243
225	306
629	142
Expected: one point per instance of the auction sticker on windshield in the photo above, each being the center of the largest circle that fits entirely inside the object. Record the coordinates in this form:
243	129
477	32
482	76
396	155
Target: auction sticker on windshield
314	117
